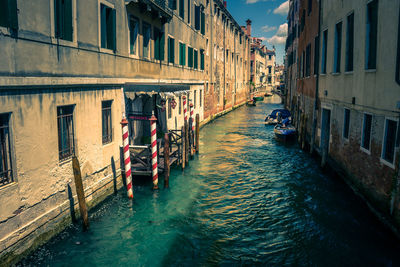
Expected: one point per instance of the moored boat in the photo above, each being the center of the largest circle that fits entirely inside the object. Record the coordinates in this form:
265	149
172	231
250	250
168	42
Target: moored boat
258	98
273	117
251	103
285	132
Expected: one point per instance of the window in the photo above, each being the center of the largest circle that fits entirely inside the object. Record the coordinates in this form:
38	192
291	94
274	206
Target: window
389	141
350	42
197	17
146	40
171	50
269	69
203	23
398	53
269	80
269	57
158	44
190	57
182	8
172	4
200	96
6	173
188	8
338	48
196	59
366	134
108	39
133	33
346	123
182	54
65	123
106	121
63	19
9	14
169	108
309	6
316	54
180	105
324	51
201	59
371	35
308	60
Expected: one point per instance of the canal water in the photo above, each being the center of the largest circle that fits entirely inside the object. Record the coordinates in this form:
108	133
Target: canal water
247	199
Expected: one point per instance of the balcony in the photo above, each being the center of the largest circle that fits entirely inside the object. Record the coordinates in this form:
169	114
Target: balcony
158	8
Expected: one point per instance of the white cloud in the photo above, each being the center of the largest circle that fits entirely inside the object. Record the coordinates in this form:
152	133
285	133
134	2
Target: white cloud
282	31
283	9
267	28
280	35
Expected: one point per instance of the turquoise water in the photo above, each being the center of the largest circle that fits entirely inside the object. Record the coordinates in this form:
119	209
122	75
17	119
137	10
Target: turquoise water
247	199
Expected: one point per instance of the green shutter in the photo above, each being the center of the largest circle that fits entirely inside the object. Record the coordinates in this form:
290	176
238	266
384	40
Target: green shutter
67	20
202	60
57	18
196	56
203	27
4	13
162	45
156	43
13	14
113	30
103	15
173	50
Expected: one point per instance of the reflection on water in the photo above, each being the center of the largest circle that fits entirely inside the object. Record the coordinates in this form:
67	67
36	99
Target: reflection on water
246	199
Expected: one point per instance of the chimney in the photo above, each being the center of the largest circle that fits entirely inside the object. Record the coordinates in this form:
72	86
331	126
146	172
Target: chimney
248	27
225	4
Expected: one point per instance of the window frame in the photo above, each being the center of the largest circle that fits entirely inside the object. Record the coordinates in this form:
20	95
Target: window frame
368	151
112	7
72	147
149	26
108	138
136	45
368	36
384	139
324	51
337	52
349	49
182	55
344	133
171	55
11	152
11	19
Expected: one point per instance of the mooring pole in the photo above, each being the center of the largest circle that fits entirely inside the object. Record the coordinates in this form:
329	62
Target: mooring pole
154	164
187	145
183	148
197	133
166	160
127	157
80	192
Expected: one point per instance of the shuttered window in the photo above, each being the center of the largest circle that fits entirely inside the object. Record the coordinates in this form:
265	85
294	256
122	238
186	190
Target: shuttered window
146	40
371	35
107	16
350	42
9	14
182	8
203	23
324	51
197	17
366	133
338	48
202	59
159	43
190	57
63	19
195	59
171	50
389	141
182	54
6	172
133	34
172	4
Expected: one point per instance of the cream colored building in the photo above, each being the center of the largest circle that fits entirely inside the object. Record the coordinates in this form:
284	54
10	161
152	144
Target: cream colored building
70	70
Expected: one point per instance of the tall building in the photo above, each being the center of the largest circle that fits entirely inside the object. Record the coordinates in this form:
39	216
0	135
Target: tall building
71	70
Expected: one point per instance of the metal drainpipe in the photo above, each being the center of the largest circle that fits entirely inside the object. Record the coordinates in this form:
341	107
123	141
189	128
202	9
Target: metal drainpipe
314	128
234	52
223	98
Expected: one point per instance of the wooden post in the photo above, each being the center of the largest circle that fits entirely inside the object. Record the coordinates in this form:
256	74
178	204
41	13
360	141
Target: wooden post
166	160
191	137
187	145
80	192
183	148
197	133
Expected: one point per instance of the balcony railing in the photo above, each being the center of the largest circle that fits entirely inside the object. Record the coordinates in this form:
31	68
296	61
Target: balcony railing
160	6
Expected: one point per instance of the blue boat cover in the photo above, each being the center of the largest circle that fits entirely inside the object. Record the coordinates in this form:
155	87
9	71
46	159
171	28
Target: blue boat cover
284	113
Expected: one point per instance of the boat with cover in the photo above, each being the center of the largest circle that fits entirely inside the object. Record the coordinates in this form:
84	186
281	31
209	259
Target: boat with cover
285	132
273	117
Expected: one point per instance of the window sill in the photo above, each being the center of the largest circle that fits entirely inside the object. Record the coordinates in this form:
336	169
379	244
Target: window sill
348	73
387	163
335	73
370	70
107	51
8	186
63	42
134	56
365	150
62	162
5	30
108	143
322	74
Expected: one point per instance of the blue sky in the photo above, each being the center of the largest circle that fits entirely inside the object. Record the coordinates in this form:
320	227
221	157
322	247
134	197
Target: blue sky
268	21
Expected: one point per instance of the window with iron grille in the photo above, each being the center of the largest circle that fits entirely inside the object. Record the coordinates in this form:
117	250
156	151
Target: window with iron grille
66	138
6	174
106	115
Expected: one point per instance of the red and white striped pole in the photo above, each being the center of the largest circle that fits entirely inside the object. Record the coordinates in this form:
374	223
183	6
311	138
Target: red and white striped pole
127	159
191	116
184	108
154	166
